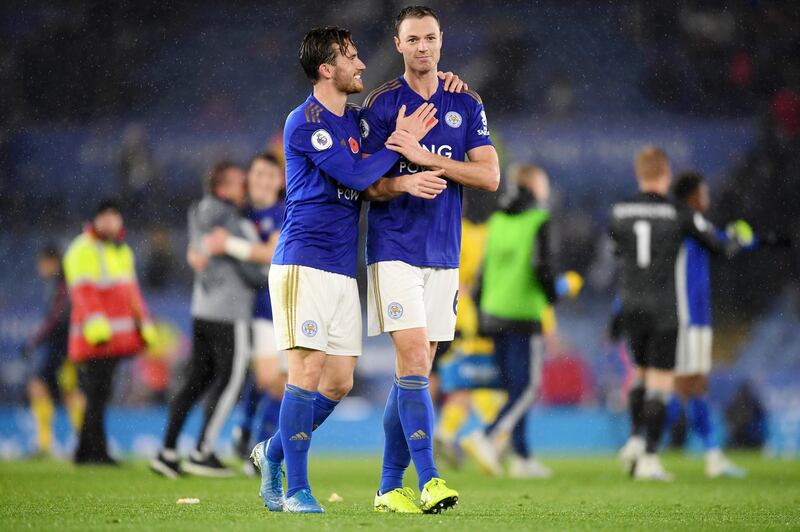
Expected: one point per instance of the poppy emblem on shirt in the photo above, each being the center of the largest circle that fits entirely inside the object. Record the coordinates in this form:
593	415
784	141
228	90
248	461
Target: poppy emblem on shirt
453	119
353	144
321	140
394	310
309	328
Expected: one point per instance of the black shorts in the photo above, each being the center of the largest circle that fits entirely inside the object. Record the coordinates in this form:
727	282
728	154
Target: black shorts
652	342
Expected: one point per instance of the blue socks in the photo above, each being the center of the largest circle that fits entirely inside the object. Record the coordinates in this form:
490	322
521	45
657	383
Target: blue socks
296	423
698	415
322	408
674	408
269	409
416	416
396	455
700	419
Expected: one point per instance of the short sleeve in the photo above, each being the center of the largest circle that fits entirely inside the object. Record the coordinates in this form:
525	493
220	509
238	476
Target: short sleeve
478	131
315	141
374	131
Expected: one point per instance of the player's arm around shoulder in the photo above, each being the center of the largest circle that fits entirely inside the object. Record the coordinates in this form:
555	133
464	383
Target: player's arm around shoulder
482	171
221	242
426	184
695	225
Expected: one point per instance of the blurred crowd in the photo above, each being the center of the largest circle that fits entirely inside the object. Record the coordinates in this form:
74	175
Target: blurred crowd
122	79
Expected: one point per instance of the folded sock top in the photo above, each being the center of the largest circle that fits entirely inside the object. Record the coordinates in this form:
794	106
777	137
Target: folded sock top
412	382
300	393
325	401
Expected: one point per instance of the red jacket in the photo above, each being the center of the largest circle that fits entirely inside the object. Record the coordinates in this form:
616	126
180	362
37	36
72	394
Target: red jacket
101	278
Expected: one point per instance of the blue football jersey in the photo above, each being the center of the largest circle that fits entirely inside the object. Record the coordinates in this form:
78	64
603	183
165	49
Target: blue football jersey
693	283
413	230
325	176
267	221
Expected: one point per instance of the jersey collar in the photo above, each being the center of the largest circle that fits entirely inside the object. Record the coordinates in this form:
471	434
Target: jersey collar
433	96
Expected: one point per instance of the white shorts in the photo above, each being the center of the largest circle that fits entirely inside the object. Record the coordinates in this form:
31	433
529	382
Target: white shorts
264	339
693	356
315	309
401	296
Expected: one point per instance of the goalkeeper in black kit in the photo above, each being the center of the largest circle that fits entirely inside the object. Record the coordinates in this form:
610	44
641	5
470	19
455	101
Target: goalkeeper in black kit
648	231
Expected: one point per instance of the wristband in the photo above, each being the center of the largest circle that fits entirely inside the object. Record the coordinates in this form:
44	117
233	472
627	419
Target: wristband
238	248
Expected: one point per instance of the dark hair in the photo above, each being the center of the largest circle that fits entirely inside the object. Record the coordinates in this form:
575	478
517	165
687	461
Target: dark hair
108	204
414	12
686	184
216	175
317	48
266	156
50	251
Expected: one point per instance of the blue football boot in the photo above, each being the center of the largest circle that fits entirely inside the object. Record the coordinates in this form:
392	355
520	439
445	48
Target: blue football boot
271	477
302	502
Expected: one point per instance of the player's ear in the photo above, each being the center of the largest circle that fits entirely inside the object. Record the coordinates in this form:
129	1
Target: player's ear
325	71
397	44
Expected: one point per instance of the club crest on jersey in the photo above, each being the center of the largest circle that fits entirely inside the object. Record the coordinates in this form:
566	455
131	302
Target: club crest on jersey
453	119
309	328
321	140
364	128
353	144
394	310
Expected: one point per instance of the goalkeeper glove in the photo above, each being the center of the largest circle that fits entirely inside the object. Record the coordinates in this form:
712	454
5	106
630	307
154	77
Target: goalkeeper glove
741	232
97	330
569	284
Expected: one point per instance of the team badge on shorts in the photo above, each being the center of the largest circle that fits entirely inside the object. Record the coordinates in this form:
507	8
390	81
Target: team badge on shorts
394	310
309	328
453	119
455	304
321	140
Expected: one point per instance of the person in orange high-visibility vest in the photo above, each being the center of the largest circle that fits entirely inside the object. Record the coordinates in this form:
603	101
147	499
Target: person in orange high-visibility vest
108	320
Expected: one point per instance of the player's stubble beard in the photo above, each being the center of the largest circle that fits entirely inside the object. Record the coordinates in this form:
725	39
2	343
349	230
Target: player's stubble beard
348	83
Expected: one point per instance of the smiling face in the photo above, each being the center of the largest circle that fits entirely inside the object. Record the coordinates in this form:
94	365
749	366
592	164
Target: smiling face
420	42
347	69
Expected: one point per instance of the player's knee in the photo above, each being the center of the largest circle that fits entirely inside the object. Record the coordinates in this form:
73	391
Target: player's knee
415	367
699	386
414	361
336	390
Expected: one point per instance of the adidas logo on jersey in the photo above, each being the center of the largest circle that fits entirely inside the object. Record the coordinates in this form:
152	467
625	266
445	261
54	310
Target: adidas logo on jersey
419	435
299	436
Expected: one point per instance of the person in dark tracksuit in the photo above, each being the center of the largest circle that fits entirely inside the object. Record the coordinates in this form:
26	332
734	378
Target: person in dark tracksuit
222	307
518	283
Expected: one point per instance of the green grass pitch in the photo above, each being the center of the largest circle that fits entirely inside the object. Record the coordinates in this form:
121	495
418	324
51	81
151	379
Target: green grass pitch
586	493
